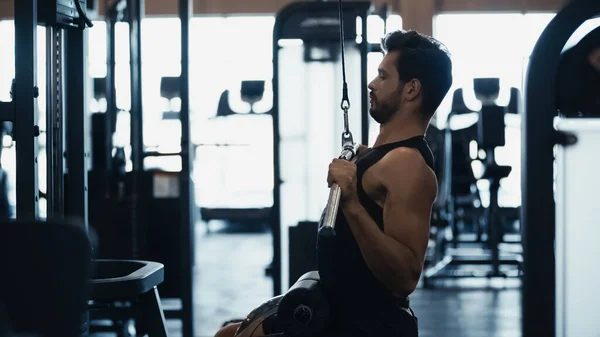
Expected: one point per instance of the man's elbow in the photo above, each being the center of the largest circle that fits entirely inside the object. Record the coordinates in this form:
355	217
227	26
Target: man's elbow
408	283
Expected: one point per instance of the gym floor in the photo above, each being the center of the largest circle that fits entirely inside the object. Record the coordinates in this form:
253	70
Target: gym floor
230	282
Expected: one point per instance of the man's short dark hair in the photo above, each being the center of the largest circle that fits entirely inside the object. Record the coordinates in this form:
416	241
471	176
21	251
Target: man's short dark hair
578	81
423	58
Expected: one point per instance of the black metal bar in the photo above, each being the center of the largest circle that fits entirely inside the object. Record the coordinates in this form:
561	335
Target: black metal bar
55	123
135	10
77	125
538	140
7	111
110	91
364	99
161	154
276	215
153	317
186	197
51	109
136	13
26	104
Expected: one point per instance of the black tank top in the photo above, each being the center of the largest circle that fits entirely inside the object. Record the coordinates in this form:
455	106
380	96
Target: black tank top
342	267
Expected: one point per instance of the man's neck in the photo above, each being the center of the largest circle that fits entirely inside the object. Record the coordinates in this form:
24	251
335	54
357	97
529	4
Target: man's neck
399	129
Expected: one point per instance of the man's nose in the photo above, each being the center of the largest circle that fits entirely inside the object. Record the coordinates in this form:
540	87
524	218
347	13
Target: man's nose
371	86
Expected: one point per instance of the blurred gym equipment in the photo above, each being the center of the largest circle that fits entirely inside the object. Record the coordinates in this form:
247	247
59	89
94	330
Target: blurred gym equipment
119	289
559	219
145	215
304	309
476	233
302	117
236	206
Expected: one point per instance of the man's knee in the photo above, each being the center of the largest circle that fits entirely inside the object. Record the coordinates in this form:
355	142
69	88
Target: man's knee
228	331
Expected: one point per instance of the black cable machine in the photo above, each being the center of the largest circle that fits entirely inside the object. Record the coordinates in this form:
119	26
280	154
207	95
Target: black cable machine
123	288
304	310
542	311
306	40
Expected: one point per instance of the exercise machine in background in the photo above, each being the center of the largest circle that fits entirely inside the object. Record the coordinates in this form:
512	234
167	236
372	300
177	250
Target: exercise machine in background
243	144
306	46
560	181
144	214
67	297
467	234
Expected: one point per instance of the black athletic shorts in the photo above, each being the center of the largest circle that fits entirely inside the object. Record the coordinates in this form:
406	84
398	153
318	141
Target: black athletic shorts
394	321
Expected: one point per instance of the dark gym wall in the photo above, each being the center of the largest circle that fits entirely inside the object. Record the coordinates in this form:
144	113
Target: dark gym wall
416	10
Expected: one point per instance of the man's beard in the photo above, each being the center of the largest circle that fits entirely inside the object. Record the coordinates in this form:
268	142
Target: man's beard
382	111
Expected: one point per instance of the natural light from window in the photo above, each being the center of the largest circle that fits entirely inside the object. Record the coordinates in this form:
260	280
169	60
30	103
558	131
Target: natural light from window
491	45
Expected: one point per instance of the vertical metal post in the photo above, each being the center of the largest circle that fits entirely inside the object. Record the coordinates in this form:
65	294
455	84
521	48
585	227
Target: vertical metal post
276	210
135	9
51	109
77	125
364	98
186	197
111	93
538	210
25	98
136	12
55	123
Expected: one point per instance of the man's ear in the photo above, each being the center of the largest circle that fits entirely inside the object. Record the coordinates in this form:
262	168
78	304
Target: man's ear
412	89
594	59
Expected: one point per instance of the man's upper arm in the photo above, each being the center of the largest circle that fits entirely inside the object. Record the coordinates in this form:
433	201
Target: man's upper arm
410	191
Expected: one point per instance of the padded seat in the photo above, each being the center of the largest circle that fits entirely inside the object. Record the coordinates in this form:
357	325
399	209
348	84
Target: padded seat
133	282
124	278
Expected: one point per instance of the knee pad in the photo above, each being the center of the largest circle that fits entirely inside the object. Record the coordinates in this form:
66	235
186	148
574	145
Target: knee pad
303	311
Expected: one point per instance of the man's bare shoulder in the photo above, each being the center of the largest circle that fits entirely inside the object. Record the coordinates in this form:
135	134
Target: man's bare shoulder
406	166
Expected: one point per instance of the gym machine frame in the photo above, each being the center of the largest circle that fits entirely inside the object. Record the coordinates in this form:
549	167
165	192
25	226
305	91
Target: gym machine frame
132	11
67	184
289	16
304	310
65	25
539	138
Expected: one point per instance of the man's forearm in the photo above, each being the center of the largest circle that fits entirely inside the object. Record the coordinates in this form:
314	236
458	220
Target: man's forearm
391	262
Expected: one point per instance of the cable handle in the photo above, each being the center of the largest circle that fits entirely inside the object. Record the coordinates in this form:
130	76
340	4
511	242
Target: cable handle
349	148
333	202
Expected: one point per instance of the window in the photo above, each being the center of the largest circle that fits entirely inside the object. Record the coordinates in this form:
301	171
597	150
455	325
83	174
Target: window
492	45
223	52
7	74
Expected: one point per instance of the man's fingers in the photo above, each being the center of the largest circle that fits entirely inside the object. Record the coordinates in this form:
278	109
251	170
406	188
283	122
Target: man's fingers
341	163
331	174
